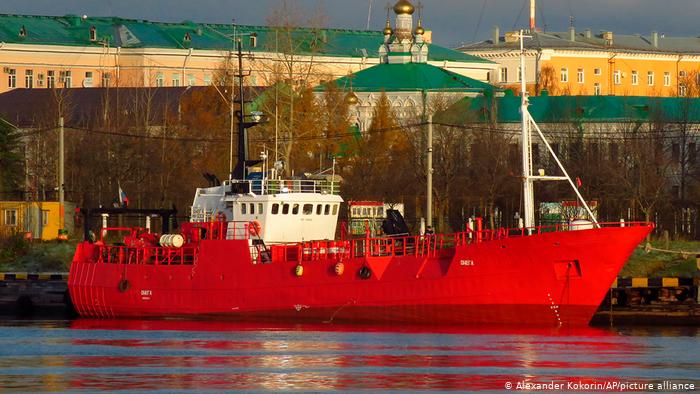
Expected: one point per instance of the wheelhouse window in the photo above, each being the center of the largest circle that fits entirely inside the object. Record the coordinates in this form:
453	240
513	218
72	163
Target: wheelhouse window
335	209
285	209
327	211
295	209
319	209
275	209
260	209
308	209
243	209
252	208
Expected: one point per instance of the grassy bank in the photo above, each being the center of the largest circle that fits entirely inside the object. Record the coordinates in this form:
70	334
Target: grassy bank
661	264
19	255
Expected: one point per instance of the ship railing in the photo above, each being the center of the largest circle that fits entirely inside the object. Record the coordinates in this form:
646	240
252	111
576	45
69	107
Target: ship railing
218	230
502	233
152	255
276	186
432	245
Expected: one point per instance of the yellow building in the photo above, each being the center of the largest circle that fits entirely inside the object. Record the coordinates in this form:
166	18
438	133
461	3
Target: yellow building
73	51
42	219
575	63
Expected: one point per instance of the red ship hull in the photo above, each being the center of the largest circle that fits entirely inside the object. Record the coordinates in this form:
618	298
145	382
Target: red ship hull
550	279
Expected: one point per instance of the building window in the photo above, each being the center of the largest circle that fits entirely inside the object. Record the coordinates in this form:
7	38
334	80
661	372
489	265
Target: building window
10	217
667	78
207	79
106	79
617	77
676	153
66	78
579	75
51	79
596	71
504	74
12	78
650	78
190	80
682	90
87	82
565	75
160	80
29	79
682	74
44	218
635	78
176	80
596	89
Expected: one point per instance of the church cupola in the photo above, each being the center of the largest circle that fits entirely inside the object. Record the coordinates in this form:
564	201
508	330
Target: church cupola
404	7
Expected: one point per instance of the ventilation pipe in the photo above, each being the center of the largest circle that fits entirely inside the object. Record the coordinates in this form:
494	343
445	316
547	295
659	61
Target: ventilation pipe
572	33
588	34
655	39
532	15
496	35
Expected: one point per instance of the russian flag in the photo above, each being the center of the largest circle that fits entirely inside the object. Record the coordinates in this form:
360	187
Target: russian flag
123	199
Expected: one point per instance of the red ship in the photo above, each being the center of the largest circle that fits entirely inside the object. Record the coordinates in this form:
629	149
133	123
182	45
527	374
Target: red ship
549	278
266	249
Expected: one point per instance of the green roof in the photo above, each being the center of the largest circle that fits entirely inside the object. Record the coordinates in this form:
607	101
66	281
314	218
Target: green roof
584	109
72	30
409	77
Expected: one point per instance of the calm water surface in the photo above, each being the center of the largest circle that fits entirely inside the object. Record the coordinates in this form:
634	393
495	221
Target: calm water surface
177	356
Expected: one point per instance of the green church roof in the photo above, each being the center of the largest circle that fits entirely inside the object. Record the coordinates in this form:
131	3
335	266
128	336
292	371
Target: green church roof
584	109
72	30
409	77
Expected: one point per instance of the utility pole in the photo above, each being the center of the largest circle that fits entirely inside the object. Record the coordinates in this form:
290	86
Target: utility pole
61	172
429	191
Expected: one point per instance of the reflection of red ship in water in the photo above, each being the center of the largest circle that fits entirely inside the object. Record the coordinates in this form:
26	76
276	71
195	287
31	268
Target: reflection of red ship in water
261	247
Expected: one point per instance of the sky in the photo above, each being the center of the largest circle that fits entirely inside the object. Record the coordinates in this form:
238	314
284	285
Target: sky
452	21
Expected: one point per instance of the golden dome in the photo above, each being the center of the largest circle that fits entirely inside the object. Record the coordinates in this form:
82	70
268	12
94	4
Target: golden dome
387	29
351	98
419	29
404	7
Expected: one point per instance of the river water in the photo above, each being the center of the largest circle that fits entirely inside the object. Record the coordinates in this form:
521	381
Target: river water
182	356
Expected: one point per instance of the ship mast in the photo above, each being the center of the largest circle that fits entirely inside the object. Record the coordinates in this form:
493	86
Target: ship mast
526	140
528	193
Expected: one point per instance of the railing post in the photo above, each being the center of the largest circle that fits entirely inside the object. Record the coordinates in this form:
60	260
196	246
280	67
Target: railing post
479	224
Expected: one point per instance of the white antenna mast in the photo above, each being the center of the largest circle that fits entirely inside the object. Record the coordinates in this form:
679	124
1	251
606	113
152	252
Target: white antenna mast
369	14
526	141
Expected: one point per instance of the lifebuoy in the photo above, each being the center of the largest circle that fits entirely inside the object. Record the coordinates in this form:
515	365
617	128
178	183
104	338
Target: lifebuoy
254	227
365	273
123	285
220	217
